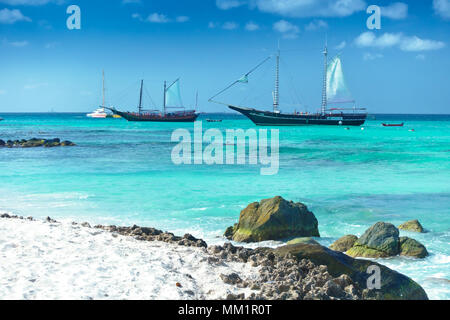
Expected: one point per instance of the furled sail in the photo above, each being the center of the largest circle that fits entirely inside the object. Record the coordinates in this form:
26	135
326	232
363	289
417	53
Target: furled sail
337	91
173	95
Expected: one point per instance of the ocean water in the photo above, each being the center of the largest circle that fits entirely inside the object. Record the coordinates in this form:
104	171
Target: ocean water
122	173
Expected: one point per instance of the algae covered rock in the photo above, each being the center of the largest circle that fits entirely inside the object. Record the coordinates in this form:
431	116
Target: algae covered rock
306	240
394	286
412	248
413	225
274	219
380	240
345	243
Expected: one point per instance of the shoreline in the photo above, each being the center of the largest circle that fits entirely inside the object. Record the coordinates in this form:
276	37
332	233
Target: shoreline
181	268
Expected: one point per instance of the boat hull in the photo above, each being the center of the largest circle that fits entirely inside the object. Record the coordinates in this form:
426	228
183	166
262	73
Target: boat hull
181	117
266	118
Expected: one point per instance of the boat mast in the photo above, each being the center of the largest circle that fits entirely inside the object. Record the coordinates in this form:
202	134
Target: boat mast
164	104
103	88
276	97
140	97
324	89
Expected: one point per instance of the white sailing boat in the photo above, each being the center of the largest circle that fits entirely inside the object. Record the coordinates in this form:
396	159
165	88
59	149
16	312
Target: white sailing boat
100	113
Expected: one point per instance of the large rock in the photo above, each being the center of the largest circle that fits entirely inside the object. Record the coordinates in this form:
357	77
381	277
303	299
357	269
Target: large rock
344	244
307	240
412	248
394	286
380	240
413	225
274	219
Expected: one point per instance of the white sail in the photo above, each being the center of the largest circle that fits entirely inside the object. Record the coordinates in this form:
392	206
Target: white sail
173	95
337	91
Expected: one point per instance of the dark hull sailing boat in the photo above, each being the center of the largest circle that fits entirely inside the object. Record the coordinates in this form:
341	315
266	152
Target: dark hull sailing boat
171	95
334	92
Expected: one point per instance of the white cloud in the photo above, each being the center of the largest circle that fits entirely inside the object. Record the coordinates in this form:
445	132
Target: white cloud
316	24
251	26
442	8
182	19
212	25
12	16
369	39
341	45
32	86
157	18
289	30
17	44
230	25
405	43
229	4
311	8
30	2
131	1
372	56
51	45
396	11
420	57
416	44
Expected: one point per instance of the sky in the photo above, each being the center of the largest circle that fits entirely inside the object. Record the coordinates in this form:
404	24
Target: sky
401	68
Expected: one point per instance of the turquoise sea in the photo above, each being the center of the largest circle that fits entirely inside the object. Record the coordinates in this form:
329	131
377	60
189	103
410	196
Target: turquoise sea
122	173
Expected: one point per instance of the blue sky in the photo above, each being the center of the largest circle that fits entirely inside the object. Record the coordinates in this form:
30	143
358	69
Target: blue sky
402	68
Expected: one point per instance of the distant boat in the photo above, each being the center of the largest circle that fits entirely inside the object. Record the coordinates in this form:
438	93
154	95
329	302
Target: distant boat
213	120
334	92
100	113
393	124
172	97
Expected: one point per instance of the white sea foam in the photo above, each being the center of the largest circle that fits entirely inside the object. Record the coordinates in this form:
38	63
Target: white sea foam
41	260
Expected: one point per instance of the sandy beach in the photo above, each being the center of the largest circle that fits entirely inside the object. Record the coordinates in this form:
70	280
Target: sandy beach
53	260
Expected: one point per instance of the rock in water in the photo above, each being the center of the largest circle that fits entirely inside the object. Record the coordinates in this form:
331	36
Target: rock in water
412	248
380	240
274	219
394	286
344	244
413	225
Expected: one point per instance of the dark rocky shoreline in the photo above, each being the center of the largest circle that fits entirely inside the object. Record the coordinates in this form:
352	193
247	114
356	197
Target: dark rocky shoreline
293	272
36	143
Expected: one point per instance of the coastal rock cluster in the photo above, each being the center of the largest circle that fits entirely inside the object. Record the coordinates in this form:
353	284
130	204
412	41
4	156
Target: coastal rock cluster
273	219
382	240
311	271
302	270
152	234
35	143
284	278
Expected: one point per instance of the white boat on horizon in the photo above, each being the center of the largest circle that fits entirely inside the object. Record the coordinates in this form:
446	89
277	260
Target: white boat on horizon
100	113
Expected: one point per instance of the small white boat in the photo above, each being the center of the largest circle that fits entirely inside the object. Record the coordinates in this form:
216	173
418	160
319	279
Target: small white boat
98	114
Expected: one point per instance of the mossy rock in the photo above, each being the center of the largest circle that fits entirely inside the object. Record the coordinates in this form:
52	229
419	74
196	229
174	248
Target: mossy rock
413	226
382	237
394	286
306	240
412	248
274	219
365	252
345	243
